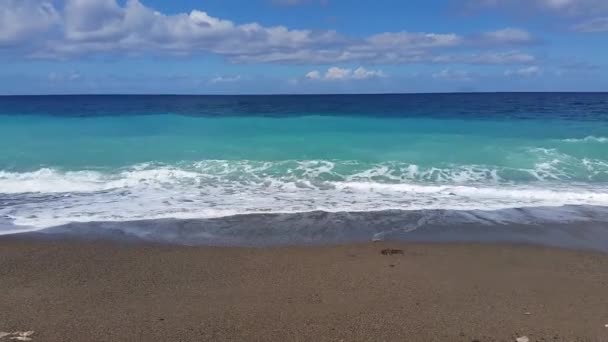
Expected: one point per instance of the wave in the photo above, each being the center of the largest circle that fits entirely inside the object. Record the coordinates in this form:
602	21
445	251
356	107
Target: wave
48	180
194	201
549	165
220	188
587	139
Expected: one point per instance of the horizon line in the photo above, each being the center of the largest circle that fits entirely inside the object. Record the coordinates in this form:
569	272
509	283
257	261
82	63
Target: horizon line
311	94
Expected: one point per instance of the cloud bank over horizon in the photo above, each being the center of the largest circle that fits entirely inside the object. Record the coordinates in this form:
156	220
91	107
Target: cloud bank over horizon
44	30
91	31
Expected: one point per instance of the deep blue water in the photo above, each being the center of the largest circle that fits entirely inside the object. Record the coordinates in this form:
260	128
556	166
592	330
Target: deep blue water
496	106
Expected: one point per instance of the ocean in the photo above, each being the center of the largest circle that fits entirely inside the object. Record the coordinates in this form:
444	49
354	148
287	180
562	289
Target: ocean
255	170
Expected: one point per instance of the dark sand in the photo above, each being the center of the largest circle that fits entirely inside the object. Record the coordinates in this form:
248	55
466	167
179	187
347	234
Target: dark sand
458	292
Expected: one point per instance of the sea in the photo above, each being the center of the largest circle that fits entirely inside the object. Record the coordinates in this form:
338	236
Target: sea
308	169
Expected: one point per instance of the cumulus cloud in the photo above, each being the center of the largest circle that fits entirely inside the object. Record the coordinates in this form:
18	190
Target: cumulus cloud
98	26
313	75
335	73
20	20
531	71
361	73
341	74
94	27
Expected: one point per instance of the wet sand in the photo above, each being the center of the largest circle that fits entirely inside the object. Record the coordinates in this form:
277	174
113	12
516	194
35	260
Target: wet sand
95	291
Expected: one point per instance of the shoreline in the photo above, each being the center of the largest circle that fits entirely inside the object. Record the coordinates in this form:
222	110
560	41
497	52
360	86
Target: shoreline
571	227
104	291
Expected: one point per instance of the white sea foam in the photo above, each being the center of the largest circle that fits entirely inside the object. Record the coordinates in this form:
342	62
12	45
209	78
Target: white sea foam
52	181
550	166
209	189
590	138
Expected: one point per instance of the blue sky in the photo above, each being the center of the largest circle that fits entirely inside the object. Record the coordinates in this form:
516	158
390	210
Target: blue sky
302	46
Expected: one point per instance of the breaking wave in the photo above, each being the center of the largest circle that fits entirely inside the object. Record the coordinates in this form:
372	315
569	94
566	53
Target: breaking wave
218	188
591	138
553	166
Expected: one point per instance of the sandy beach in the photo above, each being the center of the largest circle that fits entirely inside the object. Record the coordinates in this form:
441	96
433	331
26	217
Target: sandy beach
95	291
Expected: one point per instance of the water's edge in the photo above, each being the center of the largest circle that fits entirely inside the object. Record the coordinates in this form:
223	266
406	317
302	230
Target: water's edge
576	227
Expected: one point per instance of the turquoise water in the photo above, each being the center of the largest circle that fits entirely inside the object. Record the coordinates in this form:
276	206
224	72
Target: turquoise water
74	159
577	150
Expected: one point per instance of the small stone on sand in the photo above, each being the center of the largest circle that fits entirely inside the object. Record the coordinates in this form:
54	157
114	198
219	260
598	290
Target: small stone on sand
527	313
522	339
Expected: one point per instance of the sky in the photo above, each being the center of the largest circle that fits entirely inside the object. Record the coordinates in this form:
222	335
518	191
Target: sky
301	46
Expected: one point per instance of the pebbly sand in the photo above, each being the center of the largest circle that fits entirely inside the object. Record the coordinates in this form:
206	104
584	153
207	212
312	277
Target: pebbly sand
95	291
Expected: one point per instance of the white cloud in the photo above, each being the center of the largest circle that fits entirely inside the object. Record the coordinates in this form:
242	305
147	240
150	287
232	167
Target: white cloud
453	75
361	73
567	7
594	12
97	26
313	75
593	25
391	40
508	36
531	71
62	76
225	79
335	73
405	57
94	27
501	58
341	74
591	15
575	6
20	20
